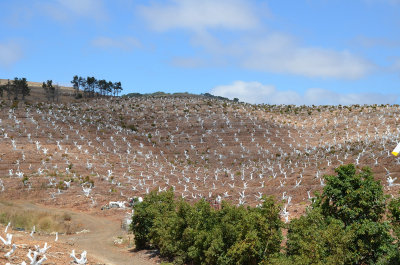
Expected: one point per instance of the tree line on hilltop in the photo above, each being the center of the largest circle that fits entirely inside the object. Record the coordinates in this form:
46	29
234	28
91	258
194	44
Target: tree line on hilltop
83	87
92	87
16	87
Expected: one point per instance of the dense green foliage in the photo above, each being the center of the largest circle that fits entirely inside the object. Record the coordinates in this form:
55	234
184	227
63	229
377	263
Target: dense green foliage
199	234
352	197
346	224
394	215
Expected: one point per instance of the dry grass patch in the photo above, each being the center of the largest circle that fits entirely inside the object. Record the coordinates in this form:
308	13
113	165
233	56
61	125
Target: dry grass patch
43	221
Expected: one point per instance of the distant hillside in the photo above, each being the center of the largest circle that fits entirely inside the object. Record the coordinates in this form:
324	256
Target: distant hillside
37	84
178	94
38	94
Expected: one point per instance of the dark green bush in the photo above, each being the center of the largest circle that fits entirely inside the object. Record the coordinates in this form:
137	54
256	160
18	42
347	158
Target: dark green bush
199	234
352	197
346	224
394	215
314	239
153	206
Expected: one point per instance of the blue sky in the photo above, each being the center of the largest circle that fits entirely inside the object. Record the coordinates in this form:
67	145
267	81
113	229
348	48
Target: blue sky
279	52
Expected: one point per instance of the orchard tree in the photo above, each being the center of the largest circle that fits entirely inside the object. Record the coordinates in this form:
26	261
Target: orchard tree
394	216
351	197
345	225
199	234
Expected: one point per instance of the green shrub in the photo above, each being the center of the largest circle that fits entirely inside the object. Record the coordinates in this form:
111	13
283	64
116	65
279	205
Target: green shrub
314	239
394	215
344	224
153	206
199	234
351	197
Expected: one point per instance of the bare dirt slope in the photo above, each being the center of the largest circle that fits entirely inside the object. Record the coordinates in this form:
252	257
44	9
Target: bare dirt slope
84	155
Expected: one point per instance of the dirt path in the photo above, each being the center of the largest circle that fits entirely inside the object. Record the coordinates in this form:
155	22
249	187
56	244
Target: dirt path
98	242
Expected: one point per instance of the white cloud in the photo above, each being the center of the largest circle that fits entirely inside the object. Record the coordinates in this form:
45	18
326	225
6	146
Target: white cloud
124	43
199	15
64	10
18	16
392	2
325	97
251	48
82	7
280	53
10	53
188	62
257	93
396	64
370	42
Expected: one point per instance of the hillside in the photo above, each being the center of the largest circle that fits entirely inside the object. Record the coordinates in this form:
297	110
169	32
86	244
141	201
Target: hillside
37	93
83	155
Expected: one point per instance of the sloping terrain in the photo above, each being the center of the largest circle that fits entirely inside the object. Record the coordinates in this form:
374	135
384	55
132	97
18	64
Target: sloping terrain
84	155
37	93
98	236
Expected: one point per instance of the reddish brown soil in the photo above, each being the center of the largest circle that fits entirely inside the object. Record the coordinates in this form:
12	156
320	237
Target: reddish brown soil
197	146
100	237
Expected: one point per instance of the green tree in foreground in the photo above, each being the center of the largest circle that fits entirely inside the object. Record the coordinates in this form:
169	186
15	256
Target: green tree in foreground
344	225
351	222
199	234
